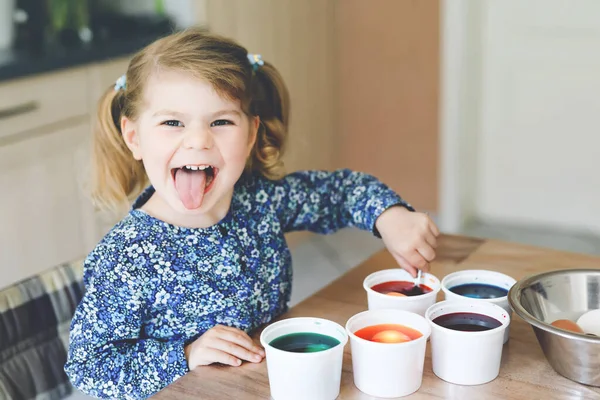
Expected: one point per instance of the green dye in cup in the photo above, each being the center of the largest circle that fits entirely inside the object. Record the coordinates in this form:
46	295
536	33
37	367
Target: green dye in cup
304	342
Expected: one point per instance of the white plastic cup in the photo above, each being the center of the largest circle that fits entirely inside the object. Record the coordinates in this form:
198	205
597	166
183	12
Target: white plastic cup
301	376
416	304
466	358
388	369
481	277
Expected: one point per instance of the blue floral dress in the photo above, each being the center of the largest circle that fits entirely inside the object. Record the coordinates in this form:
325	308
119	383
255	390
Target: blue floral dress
152	287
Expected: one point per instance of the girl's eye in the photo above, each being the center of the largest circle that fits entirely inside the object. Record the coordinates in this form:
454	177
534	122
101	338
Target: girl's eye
174	123
222	122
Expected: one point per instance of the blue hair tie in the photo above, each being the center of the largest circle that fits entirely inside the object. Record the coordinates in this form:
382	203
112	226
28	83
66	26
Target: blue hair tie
121	83
255	60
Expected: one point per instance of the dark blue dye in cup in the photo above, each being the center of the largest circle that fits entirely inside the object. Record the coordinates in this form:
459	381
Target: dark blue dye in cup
467	322
304	342
479	291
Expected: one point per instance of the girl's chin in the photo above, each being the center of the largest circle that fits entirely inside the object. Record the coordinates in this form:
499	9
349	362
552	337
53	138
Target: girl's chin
181	208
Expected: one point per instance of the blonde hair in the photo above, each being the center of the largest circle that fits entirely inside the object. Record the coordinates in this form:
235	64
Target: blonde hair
117	177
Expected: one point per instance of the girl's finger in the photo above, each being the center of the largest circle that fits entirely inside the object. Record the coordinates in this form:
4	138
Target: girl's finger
405	264
241	338
237	331
235	350
243	335
431	239
433	228
231	329
417	260
210	355
426	251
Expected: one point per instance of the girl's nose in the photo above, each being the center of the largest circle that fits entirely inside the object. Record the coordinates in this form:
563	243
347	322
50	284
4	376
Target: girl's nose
198	139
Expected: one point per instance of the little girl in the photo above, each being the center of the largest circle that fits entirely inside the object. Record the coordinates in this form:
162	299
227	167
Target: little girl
200	261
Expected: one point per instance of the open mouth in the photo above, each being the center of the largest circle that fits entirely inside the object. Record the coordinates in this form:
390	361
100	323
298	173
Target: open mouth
193	182
208	170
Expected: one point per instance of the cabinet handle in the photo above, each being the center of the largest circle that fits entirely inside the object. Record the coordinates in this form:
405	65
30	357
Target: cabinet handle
19	109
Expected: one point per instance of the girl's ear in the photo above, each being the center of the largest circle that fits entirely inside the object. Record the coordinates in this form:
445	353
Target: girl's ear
131	137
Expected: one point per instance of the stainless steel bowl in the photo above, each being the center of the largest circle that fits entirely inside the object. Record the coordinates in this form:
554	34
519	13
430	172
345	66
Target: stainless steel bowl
564	294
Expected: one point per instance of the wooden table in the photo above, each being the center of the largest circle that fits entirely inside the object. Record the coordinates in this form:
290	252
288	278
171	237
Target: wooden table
524	373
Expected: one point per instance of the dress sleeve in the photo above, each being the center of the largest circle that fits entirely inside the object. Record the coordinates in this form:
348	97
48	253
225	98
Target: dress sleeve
324	202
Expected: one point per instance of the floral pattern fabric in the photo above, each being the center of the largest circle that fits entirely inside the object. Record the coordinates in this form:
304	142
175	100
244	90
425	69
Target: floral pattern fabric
152	287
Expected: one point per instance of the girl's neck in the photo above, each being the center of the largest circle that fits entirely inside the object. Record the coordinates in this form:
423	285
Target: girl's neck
158	208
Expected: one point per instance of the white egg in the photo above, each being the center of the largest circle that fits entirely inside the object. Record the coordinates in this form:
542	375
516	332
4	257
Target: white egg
590	322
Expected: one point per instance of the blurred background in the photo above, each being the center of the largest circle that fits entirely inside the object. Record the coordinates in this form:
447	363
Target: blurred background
483	113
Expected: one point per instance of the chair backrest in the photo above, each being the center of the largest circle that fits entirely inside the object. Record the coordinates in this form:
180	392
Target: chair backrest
35	317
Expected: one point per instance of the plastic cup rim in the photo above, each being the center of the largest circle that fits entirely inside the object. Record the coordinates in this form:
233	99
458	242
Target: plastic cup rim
504	325
448	292
405	299
414	342
317	354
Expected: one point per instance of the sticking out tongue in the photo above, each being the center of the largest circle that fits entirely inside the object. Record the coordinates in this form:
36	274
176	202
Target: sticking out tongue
190	185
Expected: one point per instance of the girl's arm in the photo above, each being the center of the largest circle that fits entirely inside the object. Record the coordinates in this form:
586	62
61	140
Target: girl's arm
324	202
107	358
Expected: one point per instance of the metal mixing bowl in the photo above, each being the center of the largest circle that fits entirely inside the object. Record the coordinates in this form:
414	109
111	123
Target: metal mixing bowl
563	294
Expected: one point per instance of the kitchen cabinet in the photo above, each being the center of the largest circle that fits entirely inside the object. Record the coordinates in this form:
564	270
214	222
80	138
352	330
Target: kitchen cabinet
46	215
39	102
44	219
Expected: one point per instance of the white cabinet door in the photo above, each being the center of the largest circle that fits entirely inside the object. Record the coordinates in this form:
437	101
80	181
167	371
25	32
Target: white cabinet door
45	219
539	146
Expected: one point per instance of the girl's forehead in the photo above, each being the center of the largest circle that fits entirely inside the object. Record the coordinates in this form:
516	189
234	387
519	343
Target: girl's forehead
179	90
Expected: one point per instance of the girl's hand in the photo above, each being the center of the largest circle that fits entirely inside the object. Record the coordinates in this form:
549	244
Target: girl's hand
225	345
411	237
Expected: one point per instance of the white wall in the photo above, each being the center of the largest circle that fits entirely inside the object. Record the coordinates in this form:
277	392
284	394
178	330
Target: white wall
531	111
459	113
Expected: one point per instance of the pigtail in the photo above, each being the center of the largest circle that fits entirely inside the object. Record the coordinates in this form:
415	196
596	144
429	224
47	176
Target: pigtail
116	175
271	102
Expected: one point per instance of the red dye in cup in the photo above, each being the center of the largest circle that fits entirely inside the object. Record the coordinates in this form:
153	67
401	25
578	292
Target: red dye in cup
388	333
402	287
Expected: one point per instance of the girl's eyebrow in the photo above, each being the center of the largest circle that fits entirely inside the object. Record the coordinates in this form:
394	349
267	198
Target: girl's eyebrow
226	112
213	115
168	112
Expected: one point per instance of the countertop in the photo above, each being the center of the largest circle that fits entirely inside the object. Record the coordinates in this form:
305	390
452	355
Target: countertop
524	372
